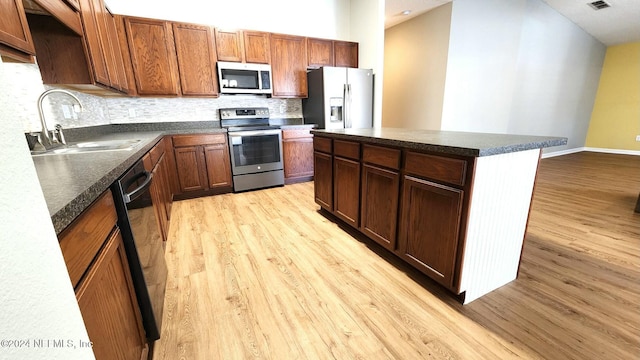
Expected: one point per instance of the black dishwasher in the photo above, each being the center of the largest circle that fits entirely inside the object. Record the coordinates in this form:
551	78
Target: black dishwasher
143	244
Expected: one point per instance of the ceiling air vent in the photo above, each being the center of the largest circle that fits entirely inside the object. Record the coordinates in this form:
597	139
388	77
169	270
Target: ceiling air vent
599	5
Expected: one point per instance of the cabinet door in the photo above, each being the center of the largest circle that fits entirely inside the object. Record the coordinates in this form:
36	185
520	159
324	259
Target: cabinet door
14	31
167	195
346	53
297	155
380	193
94	34
346	190
119	80
191	167
429	227
195	50
323	179
157	193
289	66
218	165
109	46
109	306
256	47
320	52
153	56
229	45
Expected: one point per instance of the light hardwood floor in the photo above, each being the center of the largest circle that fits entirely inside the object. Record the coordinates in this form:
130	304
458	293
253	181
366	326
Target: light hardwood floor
264	275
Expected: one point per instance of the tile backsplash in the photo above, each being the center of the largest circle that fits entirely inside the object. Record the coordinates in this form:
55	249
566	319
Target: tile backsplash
26	84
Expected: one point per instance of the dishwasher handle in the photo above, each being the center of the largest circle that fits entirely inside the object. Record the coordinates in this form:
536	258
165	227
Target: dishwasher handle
130	196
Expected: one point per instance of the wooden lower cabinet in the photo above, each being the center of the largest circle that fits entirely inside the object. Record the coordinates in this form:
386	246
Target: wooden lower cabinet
202	163
191	167
346	190
323	179
109	307
160	190
95	257
412	203
429	227
216	158
297	154
380	193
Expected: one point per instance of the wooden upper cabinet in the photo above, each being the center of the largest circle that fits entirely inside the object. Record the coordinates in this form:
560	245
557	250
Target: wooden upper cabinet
243	46
75	4
102	45
153	56
196	55
119	80
256	47
229	45
289	66
15	38
90	62
346	53
93	35
320	53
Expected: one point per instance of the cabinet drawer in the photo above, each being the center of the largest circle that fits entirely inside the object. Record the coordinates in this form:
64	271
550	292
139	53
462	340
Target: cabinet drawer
156	152
322	144
347	149
437	168
382	156
195	140
82	240
296	134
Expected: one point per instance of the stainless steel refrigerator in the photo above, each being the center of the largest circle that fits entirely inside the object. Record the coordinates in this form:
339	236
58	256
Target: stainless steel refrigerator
339	98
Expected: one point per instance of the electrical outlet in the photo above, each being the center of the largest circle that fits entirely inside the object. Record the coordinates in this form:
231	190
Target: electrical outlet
132	113
637	137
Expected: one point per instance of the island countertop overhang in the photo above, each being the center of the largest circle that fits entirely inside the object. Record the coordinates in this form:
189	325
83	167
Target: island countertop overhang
446	142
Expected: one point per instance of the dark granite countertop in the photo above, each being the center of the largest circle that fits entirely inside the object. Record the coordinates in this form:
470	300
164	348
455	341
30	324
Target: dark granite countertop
71	182
447	142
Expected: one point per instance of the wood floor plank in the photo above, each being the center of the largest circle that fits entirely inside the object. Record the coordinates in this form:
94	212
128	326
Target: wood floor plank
266	275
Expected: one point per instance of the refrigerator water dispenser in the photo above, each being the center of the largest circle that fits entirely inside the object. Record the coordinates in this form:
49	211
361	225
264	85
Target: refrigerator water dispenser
336	109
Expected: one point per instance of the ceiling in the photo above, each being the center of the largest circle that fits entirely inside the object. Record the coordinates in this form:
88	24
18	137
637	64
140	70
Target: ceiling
617	24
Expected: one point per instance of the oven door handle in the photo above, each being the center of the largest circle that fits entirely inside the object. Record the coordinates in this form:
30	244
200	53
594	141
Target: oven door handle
255	133
130	196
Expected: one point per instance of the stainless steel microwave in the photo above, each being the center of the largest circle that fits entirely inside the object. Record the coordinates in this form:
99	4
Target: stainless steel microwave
244	78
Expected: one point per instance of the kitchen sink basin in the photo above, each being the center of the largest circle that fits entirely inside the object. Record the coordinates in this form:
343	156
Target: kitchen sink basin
91	146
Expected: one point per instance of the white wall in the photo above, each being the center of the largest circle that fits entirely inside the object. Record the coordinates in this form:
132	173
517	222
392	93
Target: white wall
367	28
415	59
318	18
517	66
37	297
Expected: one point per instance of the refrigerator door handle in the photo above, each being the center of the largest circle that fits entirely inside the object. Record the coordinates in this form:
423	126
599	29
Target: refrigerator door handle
349	119
345	109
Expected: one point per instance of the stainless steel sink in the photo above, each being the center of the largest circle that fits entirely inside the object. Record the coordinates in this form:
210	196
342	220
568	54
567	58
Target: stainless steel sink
91	146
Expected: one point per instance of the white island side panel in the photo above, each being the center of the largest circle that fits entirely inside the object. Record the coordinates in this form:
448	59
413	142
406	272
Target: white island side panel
498	213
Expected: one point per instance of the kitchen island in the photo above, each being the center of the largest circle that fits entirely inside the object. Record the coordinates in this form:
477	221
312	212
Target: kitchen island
453	205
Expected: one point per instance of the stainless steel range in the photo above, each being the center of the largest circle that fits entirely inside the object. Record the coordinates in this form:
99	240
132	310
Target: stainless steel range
255	148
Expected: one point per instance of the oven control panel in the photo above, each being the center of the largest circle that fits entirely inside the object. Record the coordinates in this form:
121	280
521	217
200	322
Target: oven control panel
244	113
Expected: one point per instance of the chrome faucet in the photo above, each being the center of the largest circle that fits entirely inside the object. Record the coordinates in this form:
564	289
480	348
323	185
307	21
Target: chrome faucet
53	136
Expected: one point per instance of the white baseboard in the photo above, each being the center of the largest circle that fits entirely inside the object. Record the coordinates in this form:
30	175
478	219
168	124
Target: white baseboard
592	149
562	152
613	151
